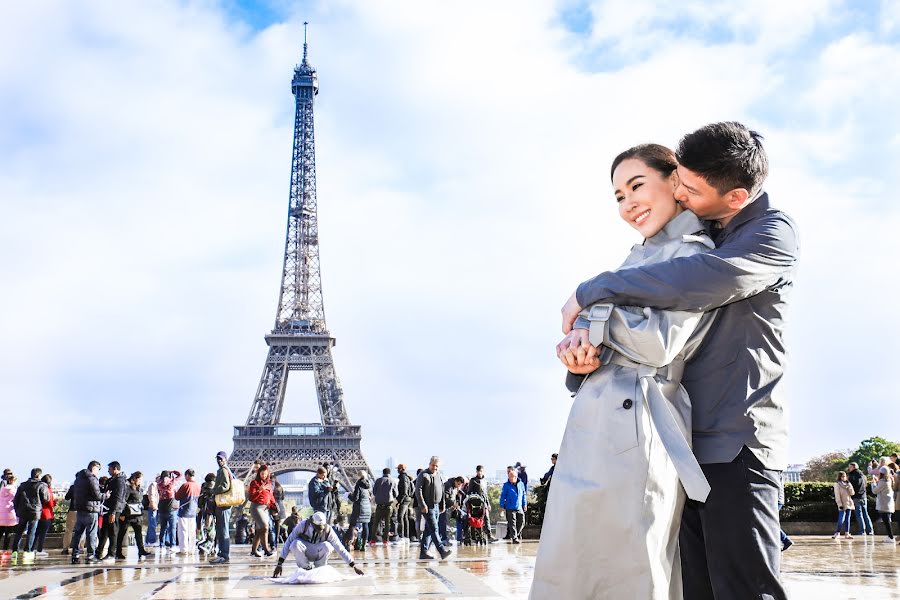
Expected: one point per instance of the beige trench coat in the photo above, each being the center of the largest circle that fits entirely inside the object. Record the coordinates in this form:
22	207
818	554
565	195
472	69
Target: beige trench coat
614	510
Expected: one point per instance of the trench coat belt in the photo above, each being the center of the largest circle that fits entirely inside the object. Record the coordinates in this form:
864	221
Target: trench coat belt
679	449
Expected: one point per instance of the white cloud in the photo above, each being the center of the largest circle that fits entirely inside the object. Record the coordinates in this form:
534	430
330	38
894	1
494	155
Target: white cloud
462	171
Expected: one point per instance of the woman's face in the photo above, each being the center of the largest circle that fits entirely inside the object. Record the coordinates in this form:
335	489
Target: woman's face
645	196
263	474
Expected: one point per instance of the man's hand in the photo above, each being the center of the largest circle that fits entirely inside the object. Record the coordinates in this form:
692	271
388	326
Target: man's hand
359	571
569	313
277	572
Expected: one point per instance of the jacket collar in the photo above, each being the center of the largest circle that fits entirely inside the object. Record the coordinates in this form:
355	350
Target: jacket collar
753	210
686	223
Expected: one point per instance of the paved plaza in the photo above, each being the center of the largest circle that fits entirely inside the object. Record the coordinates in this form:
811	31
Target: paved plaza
815	568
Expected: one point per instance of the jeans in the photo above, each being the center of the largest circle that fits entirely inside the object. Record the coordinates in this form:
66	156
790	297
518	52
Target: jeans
151	527
784	536
862	515
42	529
168	522
442	528
430	533
843	520
730	543
85	523
29	528
223	539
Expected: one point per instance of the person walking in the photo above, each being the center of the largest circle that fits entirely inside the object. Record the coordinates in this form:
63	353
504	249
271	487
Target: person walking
167	483
522	474
28	502
430	496
385	491
87	499
187	495
883	488
318	491
859	482
514	502
46	520
8	519
361	497
206	518
843	496
262	501
222	484
132	516
278	514
405	488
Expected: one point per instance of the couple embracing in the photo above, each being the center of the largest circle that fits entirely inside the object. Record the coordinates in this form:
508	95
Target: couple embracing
668	479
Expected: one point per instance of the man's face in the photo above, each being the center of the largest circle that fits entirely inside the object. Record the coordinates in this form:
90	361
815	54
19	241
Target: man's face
696	195
95	470
512	476
851	468
553	459
113	471
479	473
220	461
435	466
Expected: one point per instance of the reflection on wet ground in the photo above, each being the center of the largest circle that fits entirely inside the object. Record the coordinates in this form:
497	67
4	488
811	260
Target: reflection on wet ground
815	568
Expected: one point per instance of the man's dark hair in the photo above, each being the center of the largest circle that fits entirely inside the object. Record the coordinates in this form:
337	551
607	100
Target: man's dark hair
321	471
727	155
459	479
657	157
386	471
479	468
36	473
115	465
209	477
189	473
92	464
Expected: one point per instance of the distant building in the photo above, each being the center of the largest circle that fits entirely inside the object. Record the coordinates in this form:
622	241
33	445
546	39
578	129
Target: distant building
390	463
792	473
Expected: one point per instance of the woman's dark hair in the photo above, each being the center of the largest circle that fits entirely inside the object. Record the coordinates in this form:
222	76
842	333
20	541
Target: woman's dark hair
210	477
48	479
727	155
657	157
840	475
164	474
262	467
135	476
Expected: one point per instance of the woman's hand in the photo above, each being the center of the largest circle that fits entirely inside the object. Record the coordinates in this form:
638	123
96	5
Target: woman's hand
576	352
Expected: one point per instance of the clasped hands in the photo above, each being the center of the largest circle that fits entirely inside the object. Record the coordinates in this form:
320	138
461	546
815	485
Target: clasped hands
575	351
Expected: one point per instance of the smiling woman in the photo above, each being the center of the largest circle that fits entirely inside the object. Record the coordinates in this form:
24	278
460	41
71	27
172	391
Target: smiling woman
644	178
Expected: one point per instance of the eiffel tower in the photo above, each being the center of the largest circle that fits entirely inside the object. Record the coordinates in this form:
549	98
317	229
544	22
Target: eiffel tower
300	340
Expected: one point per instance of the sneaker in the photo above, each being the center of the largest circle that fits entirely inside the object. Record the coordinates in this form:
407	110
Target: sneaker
516	541
423	555
888	540
848	536
255	554
42	554
268	553
219	560
493	540
444	553
91	559
75	560
27	557
835	535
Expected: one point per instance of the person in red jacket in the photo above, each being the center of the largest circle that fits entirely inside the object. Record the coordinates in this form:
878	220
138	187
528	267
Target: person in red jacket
46	518
261	502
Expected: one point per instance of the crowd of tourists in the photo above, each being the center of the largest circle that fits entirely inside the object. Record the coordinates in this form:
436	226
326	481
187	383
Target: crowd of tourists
179	514
851	491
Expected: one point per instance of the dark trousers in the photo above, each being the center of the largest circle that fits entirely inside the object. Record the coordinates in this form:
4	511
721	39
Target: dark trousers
382	519
886	519
41	535
110	531
730	544
135	524
403	514
515	522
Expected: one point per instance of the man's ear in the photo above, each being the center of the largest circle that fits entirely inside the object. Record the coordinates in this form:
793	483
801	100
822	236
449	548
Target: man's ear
737	198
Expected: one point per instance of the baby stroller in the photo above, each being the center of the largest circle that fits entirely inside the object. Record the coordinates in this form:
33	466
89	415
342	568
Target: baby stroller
474	506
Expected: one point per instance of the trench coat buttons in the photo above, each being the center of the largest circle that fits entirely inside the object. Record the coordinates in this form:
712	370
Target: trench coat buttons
627	404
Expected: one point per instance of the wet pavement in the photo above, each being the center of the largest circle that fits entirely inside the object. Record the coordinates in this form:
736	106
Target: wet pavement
815	568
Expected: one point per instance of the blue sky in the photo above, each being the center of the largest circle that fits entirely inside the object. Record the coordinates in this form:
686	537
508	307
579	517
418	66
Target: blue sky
462	159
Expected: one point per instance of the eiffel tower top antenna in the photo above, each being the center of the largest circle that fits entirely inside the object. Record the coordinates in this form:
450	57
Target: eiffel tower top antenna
305	25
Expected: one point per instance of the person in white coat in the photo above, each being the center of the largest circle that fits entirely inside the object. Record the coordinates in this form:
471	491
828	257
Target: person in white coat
613	513
311	542
883	488
843	497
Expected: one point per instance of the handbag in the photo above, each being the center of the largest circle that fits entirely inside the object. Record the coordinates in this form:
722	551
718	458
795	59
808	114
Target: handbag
234	495
134	509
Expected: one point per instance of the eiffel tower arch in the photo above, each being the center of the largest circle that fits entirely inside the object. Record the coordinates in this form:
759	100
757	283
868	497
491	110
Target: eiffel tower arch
300	340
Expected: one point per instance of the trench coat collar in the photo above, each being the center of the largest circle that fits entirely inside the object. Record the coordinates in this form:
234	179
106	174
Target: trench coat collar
748	213
687	223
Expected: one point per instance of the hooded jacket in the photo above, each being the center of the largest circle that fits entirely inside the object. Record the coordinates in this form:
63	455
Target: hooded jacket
30	499
362	502
115	502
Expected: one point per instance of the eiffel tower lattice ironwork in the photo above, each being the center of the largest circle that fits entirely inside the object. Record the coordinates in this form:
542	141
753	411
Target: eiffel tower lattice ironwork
300	340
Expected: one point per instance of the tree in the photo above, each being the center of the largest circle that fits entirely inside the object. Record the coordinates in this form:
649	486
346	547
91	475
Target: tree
825	467
874	447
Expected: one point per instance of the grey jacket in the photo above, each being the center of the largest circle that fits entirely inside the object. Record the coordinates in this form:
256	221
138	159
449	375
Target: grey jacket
735	379
430	490
884	496
385	490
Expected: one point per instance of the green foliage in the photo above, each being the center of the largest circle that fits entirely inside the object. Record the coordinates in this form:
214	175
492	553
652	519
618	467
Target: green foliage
808	491
825	467
60	510
493	493
874	447
537	503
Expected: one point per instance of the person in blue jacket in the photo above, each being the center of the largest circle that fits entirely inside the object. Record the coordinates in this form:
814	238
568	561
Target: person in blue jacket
514	502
